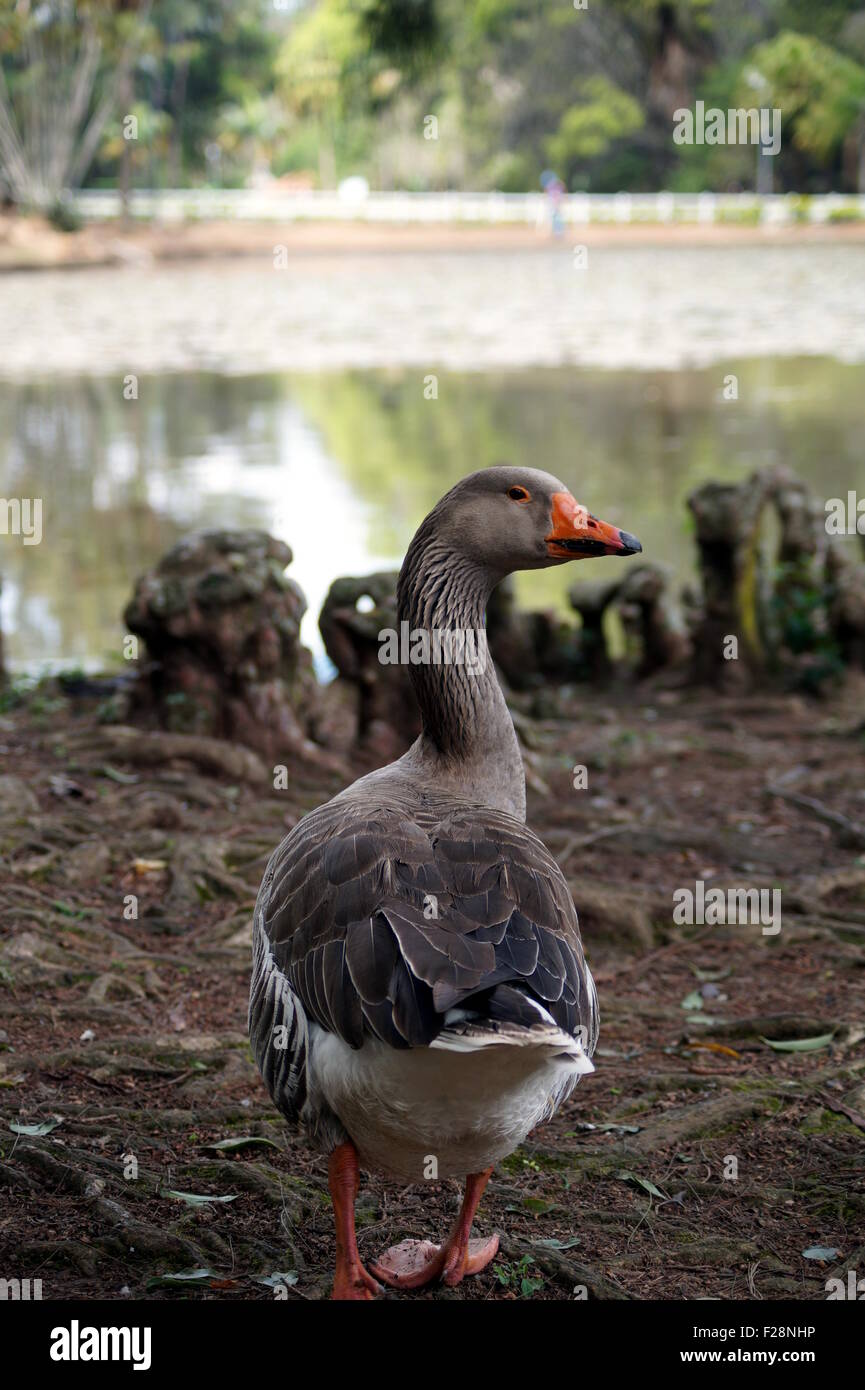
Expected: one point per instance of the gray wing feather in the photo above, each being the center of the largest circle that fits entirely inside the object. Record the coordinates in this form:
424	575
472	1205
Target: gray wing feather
377	919
278	1028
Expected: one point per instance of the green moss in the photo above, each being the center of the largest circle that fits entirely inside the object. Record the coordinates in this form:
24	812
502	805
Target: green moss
515	1163
637	1107
827	1122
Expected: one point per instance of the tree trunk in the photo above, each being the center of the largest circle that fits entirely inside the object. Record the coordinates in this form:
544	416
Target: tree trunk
125	175
326	157
178	102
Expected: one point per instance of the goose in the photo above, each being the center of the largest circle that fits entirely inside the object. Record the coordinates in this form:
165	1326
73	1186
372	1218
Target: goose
419	999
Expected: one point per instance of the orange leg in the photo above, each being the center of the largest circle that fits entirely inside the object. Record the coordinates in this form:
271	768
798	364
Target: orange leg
351	1280
413	1263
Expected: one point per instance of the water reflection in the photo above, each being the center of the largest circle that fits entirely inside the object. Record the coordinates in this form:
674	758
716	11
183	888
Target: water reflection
344	465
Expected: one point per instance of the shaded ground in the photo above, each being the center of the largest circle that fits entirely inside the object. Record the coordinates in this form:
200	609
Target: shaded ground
131	1033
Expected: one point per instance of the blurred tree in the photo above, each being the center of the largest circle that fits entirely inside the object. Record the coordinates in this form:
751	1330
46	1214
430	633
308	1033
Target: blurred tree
64	66
820	92
604	114
152	135
205	74
404	30
214	73
225	90
316	73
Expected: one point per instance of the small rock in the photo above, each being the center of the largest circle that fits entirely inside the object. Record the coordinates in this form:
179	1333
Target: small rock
89	860
61	785
16	798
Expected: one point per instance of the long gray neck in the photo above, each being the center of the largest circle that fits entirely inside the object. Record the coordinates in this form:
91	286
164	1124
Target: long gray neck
468	743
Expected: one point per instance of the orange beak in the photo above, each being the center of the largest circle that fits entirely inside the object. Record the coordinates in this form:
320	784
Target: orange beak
576	534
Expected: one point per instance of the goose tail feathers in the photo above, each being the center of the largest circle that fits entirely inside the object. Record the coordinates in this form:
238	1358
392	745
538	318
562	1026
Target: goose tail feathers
509	1017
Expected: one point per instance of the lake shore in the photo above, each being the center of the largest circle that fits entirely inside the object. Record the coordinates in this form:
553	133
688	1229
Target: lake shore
31	243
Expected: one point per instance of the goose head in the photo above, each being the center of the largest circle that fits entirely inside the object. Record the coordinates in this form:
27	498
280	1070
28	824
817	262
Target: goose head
508	518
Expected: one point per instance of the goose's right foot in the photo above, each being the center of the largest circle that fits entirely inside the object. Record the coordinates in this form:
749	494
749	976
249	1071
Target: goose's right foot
351	1281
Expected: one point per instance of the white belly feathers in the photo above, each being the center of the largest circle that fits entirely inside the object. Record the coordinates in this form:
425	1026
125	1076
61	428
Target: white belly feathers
428	1112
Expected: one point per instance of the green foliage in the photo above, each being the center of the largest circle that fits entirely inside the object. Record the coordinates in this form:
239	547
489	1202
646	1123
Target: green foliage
517	1276
604	113
820	91
798	612
827	21
63	216
12	696
315	64
407	30
226	88
848	212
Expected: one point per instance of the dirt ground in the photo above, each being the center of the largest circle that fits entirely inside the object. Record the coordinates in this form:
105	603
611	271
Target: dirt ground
32	243
696	1162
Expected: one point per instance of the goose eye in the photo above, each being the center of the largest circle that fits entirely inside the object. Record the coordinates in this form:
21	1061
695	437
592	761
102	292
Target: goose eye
518	494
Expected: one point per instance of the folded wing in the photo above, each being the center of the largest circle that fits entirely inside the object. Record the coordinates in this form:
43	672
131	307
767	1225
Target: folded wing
383	920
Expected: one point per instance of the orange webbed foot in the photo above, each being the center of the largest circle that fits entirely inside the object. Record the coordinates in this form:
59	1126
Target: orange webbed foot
415	1263
409	1265
475	1256
352	1283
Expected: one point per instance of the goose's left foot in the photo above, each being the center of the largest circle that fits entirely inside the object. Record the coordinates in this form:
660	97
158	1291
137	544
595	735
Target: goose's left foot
414	1263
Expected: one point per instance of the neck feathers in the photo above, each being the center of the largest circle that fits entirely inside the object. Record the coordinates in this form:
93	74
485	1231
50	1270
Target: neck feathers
468	734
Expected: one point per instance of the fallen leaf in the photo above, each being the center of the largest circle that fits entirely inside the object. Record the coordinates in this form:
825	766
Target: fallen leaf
537	1205
716	1047
35	1131
148	866
204	1277
799	1044
242	1142
603	1129
127	779
648	1186
194	1199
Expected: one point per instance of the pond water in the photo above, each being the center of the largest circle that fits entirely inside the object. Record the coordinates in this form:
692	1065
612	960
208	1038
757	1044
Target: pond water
343	465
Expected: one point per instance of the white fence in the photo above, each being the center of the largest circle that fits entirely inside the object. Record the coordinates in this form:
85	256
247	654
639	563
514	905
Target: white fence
279	205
